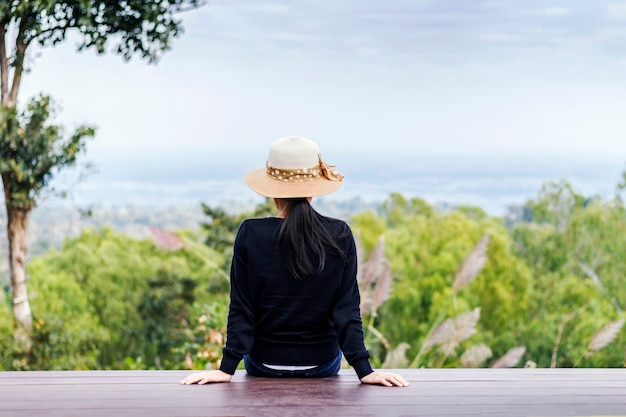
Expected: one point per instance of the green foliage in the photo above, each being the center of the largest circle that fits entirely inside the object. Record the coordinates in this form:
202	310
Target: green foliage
426	248
222	226
439	289
548	290
556	203
205	337
142	27
396	207
164	311
140	294
371	227
576	248
32	150
66	335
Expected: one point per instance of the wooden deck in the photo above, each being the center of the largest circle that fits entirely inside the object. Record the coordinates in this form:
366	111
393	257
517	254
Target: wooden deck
433	392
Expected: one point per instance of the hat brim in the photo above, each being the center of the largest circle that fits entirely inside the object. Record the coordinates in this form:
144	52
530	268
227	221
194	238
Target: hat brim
267	186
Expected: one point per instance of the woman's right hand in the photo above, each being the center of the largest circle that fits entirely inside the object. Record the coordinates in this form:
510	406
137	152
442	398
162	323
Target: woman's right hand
385	378
206	377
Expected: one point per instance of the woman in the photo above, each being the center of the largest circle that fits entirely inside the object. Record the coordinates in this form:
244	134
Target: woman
294	301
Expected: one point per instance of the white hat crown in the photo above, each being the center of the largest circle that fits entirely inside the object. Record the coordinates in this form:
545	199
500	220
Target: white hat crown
293	152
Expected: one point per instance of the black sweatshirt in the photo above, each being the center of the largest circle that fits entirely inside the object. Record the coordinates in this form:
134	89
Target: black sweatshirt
279	320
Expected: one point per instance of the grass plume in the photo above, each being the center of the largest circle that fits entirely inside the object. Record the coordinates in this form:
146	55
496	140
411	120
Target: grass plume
383	287
472	264
396	358
605	336
374	278
475	356
452	332
510	359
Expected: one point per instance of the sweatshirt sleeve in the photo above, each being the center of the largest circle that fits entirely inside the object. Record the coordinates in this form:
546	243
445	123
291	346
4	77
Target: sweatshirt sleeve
240	328
347	317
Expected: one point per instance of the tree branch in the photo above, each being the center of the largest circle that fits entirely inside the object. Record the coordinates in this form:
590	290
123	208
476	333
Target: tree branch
4	62
20	52
63	28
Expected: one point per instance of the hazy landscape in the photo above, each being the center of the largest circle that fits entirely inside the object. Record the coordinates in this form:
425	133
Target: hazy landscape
130	196
492	182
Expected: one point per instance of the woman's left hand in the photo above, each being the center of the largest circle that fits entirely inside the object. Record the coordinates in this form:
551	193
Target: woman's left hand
385	378
206	377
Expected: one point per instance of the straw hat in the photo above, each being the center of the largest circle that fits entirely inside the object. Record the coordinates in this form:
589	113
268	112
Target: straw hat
294	168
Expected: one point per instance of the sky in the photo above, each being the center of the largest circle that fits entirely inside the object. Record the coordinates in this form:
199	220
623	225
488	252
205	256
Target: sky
394	80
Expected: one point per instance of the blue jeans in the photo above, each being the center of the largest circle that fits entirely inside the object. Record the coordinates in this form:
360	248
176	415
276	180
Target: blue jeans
255	368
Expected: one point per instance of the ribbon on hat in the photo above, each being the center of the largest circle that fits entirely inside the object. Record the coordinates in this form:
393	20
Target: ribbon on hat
304	174
329	171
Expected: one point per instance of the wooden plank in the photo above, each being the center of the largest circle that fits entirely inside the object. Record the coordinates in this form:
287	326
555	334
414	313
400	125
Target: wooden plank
341	411
347	376
433	392
20	393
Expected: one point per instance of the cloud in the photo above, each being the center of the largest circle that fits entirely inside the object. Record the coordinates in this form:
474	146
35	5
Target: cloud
275	8
616	11
428	76
406	34
555	11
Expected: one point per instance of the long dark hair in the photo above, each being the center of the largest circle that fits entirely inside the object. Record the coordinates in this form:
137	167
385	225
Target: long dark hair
305	240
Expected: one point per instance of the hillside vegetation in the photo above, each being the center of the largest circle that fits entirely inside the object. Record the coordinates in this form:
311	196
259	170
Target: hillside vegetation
440	288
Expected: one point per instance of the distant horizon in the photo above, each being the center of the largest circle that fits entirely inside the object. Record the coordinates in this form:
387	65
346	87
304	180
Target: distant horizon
215	163
492	183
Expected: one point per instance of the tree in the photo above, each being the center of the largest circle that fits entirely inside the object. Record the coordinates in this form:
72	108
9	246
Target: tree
222	226
128	28
30	152
452	270
164	310
109	301
575	247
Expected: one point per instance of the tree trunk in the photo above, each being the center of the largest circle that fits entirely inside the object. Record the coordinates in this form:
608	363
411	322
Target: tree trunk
17	232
